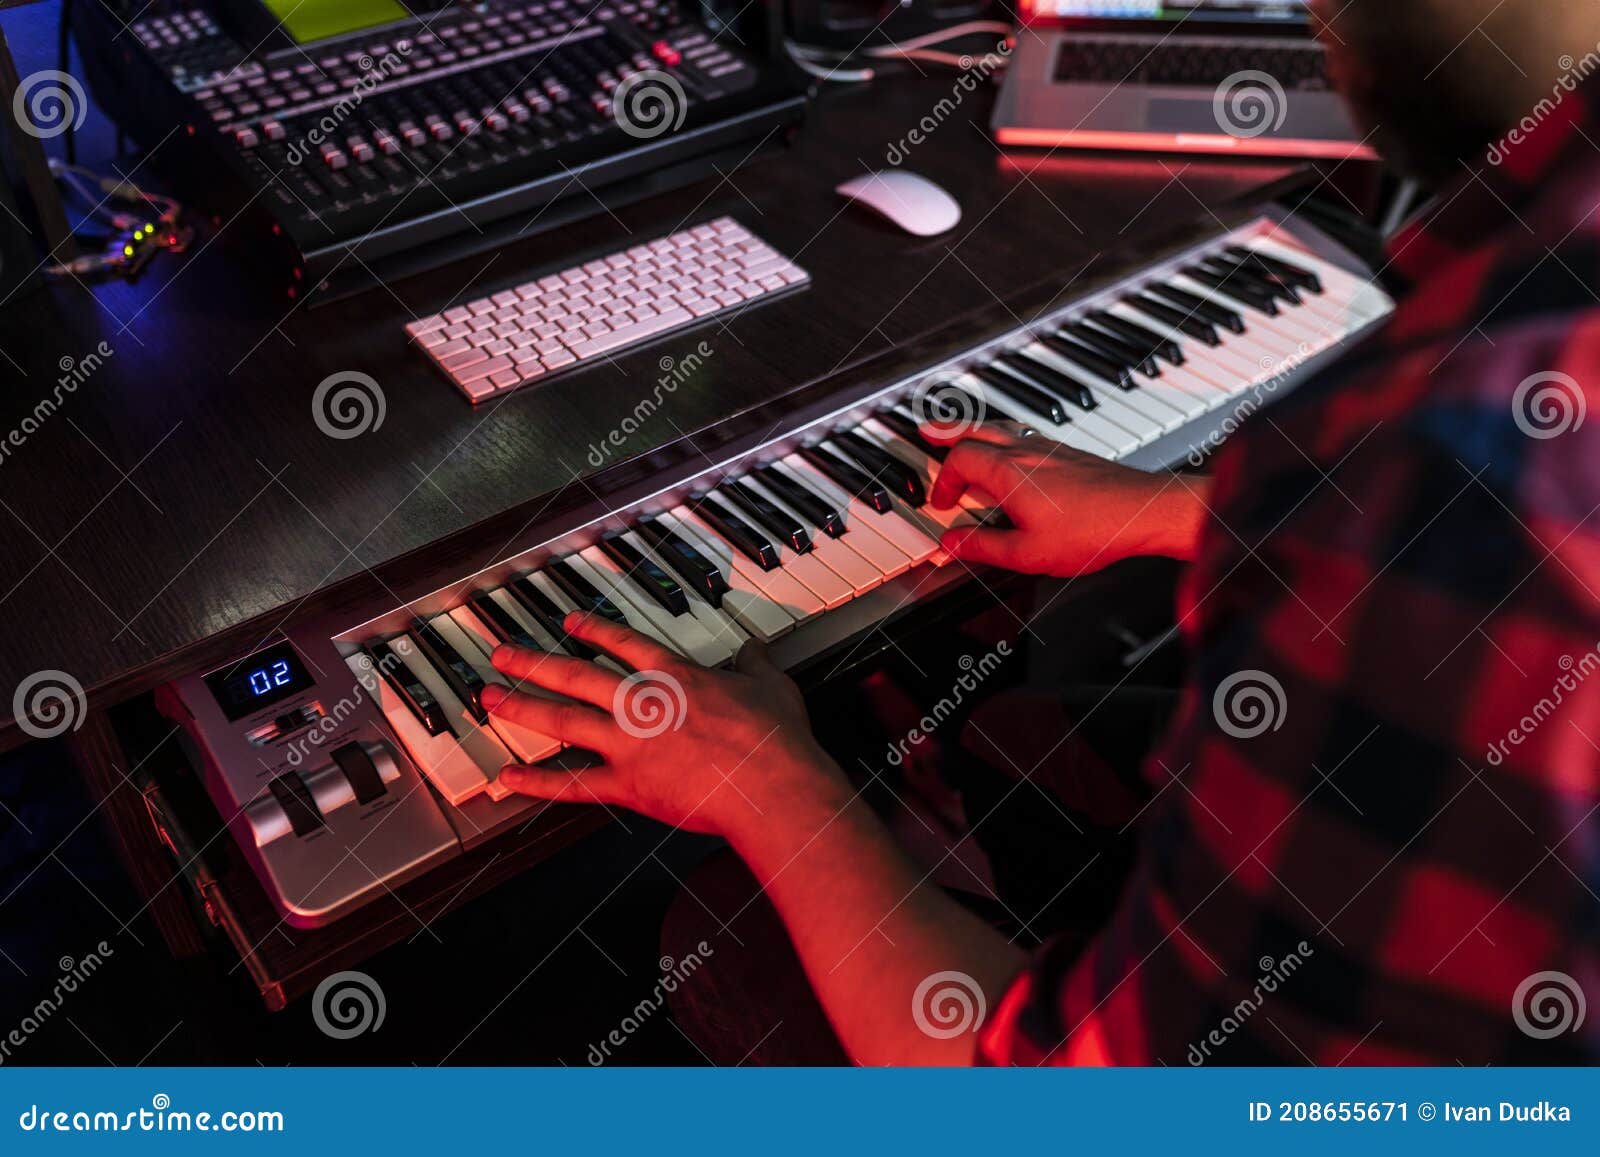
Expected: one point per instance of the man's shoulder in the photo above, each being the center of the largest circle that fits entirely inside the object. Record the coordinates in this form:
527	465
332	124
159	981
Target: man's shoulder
1509	399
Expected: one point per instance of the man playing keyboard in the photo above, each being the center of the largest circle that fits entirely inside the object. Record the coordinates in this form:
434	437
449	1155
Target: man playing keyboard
1403	554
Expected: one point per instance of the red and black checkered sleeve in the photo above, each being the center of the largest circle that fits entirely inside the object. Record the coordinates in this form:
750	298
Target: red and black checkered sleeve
1347	859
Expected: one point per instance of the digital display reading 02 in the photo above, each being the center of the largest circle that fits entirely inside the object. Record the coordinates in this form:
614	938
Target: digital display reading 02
265	678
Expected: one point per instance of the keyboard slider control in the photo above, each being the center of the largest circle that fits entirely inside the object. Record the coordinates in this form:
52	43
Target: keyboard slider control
298	803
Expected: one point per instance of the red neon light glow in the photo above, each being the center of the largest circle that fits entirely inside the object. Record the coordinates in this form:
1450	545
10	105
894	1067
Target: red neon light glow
1218	143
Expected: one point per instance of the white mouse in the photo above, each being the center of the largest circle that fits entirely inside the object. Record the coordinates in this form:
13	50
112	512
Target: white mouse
910	201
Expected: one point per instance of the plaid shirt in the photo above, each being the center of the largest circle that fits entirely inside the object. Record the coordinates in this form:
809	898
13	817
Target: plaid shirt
1376	818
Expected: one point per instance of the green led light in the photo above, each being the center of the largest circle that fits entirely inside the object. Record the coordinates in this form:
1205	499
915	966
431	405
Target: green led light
127	250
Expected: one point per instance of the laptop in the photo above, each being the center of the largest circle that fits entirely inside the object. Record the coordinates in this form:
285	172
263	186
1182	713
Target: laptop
1241	77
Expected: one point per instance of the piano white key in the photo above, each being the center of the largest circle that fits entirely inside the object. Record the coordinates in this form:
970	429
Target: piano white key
886	540
1219	365
808	570
1080	436
1364	300
921	524
486	755
508	601
1287	336
1171	399
1161	400
1184	379
750	585
631	612
965	513
1118	437
479	742
475	628
440	757
528	745
1144	416
1181	395
861	575
720	623
685	632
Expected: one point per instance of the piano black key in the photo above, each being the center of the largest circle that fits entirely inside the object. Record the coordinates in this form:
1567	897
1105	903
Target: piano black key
1078	354
1227	268
1057	385
1139	336
543	610
1196	306
811	506
749	541
856	482
692	566
901	480
581	591
905	425
1285	271
1192	324
500	623
1025	390
462	676
657	583
1235	287
767	515
417	698
1114	348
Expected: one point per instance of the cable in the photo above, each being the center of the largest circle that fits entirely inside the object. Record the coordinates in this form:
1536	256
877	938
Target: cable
970	28
801	55
136	237
827	63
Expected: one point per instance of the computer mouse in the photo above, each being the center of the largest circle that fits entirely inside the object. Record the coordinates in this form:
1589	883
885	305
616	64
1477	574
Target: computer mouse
906	199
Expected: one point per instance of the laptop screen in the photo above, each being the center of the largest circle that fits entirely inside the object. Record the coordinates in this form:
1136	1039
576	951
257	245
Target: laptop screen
1235	11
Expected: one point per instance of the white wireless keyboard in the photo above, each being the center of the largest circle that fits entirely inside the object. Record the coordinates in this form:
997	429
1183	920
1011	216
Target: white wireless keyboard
596	309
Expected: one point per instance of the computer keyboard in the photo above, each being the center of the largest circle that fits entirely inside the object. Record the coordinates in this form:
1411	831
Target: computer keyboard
1149	60
561	321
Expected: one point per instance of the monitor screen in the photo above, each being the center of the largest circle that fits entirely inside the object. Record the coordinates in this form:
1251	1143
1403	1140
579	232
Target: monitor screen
1275	10
311	20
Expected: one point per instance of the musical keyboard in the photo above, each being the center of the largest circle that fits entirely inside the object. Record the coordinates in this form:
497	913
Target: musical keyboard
808	540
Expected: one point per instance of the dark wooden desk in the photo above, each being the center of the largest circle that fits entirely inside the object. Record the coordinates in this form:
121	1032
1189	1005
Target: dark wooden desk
182	500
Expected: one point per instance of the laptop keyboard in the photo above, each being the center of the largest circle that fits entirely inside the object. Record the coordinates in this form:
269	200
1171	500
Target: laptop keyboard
1108	60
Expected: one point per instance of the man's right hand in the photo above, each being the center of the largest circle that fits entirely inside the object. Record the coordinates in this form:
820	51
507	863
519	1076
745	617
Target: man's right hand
1071	513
